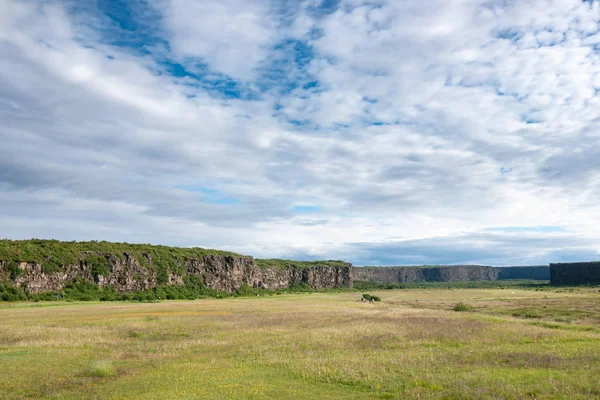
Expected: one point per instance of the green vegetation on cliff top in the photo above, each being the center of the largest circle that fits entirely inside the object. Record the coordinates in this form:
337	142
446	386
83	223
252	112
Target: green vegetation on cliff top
425	266
54	254
277	263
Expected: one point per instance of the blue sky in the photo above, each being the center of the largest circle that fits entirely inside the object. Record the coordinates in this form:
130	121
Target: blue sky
378	132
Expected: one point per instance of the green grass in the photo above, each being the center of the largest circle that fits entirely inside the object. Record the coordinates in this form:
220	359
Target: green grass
305	346
101	369
277	263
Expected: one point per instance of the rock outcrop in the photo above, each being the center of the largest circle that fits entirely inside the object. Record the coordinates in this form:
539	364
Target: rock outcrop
533	272
453	273
221	273
577	273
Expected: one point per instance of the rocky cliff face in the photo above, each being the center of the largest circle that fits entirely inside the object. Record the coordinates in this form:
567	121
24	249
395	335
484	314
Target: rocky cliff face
316	277
221	273
126	275
534	272
575	273
376	274
454	273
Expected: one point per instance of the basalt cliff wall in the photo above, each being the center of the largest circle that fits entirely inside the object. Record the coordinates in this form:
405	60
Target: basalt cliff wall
533	272
221	273
48	265
454	273
133	271
451	273
576	273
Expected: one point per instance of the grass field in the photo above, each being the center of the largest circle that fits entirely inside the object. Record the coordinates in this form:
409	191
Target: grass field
513	343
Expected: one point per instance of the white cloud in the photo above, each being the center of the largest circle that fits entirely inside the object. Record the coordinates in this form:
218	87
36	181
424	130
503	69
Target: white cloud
231	36
428	121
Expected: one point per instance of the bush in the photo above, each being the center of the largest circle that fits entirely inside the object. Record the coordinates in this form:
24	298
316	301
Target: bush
246	290
11	293
99	263
368	297
462	307
13	270
162	275
303	287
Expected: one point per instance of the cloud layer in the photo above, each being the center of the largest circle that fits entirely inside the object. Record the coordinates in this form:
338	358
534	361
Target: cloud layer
378	132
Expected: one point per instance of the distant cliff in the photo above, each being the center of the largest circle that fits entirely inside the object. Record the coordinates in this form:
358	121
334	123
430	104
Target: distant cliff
46	265
533	272
576	273
453	273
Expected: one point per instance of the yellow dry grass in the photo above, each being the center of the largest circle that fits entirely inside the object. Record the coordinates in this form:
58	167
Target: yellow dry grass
309	346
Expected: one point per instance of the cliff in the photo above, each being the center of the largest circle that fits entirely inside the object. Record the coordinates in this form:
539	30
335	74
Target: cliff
575	273
533	272
40	266
454	273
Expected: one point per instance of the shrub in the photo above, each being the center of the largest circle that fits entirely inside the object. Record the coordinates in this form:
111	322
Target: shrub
303	287
14	269
162	275
462	307
368	297
11	293
246	290
99	263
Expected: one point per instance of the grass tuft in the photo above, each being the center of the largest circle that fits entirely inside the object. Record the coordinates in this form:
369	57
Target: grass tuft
135	334
462	307
101	369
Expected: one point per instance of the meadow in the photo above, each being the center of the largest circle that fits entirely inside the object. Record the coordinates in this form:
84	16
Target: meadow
510	343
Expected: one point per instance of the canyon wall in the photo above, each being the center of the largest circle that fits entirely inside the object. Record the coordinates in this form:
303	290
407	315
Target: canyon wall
576	273
454	273
46	265
533	272
127	273
450	273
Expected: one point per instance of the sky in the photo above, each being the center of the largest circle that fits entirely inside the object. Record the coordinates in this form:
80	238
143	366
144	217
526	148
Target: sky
377	132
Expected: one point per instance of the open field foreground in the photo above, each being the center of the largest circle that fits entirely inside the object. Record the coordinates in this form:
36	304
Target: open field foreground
511	344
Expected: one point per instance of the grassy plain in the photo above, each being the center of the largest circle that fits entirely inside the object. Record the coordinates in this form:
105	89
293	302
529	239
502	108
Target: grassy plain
514	343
